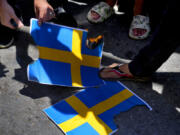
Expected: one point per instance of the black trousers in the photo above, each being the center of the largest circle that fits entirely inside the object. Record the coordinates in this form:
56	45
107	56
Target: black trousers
21	12
164	43
24	9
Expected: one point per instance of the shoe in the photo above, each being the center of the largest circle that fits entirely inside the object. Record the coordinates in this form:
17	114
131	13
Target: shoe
122	76
100	12
6	37
139	23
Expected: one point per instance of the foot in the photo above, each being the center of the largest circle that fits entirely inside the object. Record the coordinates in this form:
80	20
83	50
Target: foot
100	12
116	72
139	32
106	73
139	28
95	15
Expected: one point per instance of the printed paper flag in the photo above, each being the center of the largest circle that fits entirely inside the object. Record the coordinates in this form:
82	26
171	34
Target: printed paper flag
64	58
91	111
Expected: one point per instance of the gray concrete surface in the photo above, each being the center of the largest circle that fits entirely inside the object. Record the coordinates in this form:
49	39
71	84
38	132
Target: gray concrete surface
21	101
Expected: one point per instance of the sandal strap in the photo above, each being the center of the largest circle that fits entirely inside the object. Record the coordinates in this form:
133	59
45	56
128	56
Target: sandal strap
118	72
123	76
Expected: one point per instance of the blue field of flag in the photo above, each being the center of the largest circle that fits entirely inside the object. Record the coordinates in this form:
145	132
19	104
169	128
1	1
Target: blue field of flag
91	111
64	58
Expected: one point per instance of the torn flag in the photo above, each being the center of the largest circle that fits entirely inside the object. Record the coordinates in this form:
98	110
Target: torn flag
64	58
91	111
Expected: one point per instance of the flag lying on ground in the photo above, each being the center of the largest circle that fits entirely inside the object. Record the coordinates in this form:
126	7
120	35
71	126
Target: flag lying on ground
64	58
91	111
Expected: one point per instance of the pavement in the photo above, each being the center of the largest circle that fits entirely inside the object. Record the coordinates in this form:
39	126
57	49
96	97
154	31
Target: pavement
22	101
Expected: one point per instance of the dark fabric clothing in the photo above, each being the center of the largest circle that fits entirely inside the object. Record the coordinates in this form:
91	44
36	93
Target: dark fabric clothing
21	12
24	14
164	43
154	9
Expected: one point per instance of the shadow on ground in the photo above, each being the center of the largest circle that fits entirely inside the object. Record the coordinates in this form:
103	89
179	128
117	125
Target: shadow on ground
162	97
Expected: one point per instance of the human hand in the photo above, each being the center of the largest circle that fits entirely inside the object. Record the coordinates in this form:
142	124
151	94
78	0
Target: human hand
43	11
6	14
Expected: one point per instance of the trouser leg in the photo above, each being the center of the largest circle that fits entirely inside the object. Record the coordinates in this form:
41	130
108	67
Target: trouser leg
164	43
7	34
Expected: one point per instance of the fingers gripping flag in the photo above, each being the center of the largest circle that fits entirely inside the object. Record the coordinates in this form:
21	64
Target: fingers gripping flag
91	111
64	58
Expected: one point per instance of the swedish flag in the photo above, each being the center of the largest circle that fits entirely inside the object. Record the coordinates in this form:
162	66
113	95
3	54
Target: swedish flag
91	111
64	58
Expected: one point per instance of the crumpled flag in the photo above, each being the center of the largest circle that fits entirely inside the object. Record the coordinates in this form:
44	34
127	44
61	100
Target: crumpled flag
91	111
64	58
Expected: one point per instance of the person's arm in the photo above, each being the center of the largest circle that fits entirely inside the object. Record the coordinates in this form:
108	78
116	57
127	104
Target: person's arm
7	13
43	10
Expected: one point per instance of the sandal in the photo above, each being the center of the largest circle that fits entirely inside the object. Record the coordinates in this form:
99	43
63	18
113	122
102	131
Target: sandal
122	76
139	22
102	10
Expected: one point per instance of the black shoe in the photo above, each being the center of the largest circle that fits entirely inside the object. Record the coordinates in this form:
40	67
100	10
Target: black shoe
6	37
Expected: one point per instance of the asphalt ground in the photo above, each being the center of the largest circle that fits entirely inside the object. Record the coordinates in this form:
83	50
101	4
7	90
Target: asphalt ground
21	101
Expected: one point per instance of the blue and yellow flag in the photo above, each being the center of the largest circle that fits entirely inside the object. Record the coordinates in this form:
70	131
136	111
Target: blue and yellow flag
91	111
64	58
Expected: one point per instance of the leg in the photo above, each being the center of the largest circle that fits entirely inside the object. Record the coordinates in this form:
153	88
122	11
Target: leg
7	34
140	27
151	57
111	2
155	11
138	7
101	12
162	46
